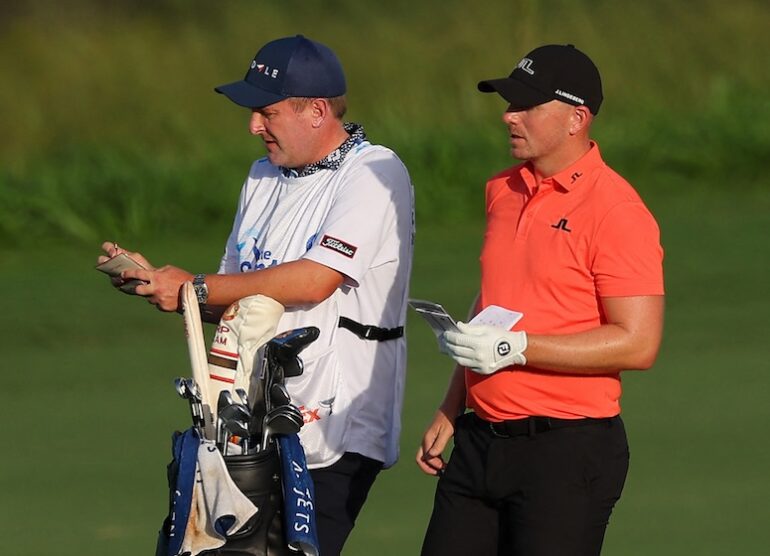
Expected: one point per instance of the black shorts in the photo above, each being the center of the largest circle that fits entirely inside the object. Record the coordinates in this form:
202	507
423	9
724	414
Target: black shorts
540	493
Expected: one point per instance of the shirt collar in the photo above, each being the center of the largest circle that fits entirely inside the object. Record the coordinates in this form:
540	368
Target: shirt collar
570	177
334	159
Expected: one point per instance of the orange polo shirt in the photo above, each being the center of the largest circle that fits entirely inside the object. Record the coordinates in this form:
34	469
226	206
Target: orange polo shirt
551	252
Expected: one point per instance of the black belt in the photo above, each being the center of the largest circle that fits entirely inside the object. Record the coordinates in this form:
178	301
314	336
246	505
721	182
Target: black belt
536	425
368	332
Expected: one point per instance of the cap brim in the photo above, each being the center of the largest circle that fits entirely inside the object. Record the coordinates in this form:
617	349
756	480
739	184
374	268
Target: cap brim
247	95
514	91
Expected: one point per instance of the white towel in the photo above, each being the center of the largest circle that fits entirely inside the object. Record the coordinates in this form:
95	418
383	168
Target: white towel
219	508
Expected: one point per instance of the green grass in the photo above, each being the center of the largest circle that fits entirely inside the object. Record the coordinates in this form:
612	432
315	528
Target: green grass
111	125
89	405
111	130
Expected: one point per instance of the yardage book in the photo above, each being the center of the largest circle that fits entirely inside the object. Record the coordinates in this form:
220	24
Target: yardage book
116	265
436	316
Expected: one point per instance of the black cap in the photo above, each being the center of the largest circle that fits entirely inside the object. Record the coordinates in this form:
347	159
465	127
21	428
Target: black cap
288	67
551	72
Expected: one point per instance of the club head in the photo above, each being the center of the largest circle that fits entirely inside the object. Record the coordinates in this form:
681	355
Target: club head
188	390
283	350
243	396
279	395
237	427
192	389
225	399
234	411
293	367
283	422
290	411
296	415
286	419
181	388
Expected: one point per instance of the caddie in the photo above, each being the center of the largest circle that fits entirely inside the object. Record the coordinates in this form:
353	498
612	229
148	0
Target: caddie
540	460
324	225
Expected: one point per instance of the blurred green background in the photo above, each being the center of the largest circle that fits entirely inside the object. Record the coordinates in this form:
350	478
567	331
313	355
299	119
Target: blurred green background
111	130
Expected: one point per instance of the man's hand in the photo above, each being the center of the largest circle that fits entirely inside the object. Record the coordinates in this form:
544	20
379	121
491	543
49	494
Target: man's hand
429	455
484	349
112	250
163	285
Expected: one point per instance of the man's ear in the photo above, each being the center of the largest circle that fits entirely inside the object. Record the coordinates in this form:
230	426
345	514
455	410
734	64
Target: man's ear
580	119
319	111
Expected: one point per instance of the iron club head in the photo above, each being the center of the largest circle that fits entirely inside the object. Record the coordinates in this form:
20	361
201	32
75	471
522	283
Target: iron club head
279	395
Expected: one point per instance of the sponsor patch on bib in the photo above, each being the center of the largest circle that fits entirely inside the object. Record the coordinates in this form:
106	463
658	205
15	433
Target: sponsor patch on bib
338	245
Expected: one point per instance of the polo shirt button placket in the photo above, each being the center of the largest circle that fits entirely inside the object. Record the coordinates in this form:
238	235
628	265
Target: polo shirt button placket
529	213
522	230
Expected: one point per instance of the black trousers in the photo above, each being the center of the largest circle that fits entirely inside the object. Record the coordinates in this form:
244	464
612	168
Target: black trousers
340	492
538	493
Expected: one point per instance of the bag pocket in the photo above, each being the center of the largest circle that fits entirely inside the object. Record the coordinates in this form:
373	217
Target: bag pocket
258	476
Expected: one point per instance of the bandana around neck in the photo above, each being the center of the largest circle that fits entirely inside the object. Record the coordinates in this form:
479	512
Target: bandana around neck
332	160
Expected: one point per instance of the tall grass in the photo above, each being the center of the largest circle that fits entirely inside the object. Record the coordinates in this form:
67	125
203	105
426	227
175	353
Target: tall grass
110	125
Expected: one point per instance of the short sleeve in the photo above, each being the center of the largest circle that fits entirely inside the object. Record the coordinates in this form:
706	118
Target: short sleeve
363	216
627	257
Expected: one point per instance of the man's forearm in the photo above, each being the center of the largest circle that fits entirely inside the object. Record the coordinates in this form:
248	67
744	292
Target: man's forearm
291	284
454	399
630	341
598	351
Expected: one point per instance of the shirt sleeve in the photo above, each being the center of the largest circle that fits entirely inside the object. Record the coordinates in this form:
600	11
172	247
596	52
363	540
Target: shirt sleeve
354	235
627	257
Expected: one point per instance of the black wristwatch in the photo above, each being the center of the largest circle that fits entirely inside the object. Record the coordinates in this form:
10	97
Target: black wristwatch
201	289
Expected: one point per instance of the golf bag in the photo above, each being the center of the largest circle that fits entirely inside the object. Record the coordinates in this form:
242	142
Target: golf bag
268	479
218	520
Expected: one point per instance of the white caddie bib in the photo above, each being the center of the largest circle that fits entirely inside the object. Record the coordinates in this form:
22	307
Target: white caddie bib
346	219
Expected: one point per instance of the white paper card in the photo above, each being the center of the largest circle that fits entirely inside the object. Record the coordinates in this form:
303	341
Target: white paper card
497	316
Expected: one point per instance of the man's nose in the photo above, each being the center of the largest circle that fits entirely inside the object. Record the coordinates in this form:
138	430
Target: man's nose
510	116
256	123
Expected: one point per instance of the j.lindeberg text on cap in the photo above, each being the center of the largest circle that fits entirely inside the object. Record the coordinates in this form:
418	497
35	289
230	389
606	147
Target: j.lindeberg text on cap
551	72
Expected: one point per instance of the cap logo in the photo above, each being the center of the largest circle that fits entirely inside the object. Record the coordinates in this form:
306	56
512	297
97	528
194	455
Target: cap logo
569	96
526	65
266	70
287	67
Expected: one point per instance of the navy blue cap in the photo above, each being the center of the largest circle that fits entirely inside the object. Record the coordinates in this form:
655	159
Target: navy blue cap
288	67
551	72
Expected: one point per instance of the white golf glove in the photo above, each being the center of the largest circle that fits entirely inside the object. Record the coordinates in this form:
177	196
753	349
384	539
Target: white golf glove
484	349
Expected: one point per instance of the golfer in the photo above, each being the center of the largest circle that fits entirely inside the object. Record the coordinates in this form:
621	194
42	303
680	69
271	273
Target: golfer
324	225
541	458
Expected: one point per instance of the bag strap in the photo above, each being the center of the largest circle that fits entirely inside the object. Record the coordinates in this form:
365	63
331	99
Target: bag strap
368	332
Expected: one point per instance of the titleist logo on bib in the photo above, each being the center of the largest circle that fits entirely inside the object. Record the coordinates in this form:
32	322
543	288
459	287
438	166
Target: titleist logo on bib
338	245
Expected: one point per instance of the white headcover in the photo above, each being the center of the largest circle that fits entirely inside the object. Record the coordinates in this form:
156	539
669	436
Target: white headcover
245	326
